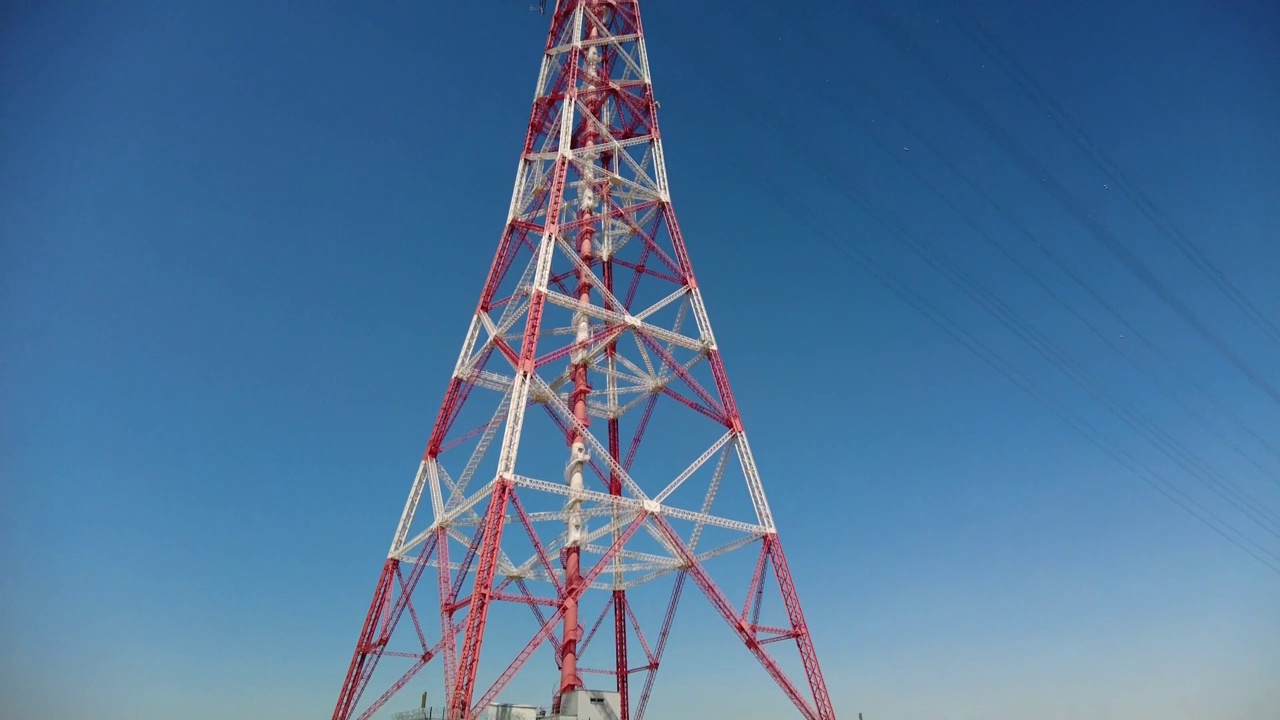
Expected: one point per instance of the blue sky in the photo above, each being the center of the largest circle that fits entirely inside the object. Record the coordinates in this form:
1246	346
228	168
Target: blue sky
241	244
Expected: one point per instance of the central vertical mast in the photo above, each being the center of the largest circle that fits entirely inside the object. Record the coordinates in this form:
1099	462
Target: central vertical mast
584	137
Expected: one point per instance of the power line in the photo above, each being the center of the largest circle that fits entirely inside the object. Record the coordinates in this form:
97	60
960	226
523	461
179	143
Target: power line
1131	329
901	38
1177	451
989	45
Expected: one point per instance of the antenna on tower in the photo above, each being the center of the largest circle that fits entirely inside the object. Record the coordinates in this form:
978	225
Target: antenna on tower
541	7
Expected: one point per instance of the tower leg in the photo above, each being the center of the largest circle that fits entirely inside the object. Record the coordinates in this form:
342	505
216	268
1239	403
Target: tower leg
459	703
620	644
366	655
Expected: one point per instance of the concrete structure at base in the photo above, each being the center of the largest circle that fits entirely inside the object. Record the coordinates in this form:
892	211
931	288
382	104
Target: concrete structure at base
590	705
574	705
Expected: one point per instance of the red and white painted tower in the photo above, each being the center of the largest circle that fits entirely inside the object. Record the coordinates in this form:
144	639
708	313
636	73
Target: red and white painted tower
535	489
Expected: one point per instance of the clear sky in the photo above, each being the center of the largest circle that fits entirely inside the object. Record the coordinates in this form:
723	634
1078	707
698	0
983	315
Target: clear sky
241	243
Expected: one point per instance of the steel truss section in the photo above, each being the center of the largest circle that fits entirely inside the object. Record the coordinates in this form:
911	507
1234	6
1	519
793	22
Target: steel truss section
588	447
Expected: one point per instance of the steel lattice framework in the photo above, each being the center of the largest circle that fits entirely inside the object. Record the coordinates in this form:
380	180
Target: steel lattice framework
590	326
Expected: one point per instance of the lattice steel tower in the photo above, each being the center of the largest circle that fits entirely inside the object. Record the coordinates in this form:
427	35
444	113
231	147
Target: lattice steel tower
590	335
